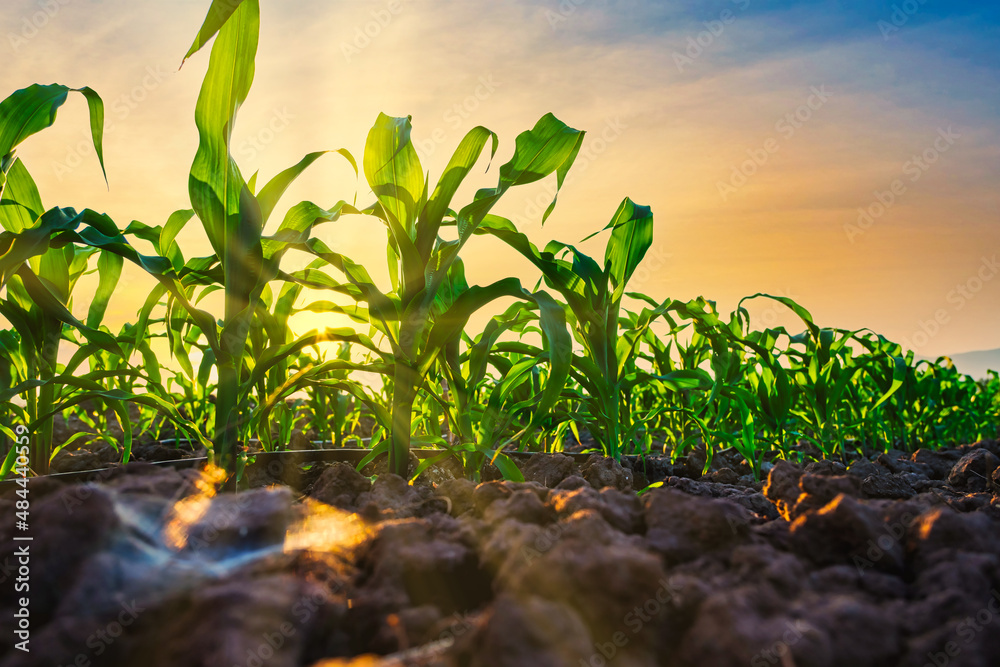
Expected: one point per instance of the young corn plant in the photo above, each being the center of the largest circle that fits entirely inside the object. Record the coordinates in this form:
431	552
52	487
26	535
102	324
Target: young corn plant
421	315
38	277
234	218
42	255
682	424
333	415
229	213
606	371
484	415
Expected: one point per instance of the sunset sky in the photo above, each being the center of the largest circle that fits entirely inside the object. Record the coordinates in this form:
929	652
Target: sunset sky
845	154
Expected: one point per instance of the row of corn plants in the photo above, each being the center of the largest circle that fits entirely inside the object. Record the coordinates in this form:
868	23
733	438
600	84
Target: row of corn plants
566	357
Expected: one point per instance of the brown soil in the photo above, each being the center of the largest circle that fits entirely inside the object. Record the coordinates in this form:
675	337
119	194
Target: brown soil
894	561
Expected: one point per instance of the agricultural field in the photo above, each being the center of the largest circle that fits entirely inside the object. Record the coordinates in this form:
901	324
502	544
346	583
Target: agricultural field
551	469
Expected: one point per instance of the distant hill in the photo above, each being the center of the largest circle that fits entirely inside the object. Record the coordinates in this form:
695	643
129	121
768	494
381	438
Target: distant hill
975	363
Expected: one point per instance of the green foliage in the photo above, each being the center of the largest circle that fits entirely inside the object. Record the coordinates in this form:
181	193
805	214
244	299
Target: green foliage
639	375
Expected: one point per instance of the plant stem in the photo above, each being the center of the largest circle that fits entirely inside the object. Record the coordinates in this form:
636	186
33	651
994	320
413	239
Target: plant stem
48	360
227	417
404	392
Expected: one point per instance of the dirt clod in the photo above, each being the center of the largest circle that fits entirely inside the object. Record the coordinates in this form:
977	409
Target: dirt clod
972	472
879	563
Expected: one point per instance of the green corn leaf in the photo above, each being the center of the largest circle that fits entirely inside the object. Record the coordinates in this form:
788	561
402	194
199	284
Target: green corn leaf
34	108
297	225
54	308
679	380
551	146
24	321
109	266
428	462
356	313
178	346
631	238
478	355
393	170
167	245
218	14
451	289
803	314
275	188
584	276
61	267
21	204
142	323
560	353
277	354
83	353
899	373
558	275
208	362
507	467
285	303
8	462
459	166
147	233
117	398
219	195
99	232
20	388
151	365
382	307
10	343
377	450
29	244
450	324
